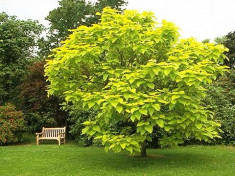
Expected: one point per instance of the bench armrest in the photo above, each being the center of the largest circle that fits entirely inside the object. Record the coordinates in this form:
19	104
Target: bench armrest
61	134
38	134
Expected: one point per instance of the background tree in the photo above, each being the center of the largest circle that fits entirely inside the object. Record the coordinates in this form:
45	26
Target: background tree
40	111
229	42
73	13
206	41
137	77
220	40
18	43
221	94
69	15
221	100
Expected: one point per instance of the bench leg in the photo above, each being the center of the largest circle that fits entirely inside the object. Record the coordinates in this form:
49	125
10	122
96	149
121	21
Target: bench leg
59	141
37	141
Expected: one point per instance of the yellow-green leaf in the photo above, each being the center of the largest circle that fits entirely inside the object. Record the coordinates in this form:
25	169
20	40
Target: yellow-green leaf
143	111
119	109
123	145
149	128
156	107
150	85
160	123
114	103
198	125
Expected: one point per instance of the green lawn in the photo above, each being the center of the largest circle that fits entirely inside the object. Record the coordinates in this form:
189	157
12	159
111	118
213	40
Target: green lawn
69	159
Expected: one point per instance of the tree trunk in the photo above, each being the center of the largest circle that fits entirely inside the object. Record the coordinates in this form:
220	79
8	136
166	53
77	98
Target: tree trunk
143	150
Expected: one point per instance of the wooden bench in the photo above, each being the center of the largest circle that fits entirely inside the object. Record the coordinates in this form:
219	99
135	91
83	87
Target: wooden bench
51	134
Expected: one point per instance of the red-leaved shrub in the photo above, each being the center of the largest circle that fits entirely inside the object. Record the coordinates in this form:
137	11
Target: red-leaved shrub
39	109
11	124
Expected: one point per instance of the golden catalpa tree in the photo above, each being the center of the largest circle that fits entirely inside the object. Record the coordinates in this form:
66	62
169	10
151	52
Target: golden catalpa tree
137	76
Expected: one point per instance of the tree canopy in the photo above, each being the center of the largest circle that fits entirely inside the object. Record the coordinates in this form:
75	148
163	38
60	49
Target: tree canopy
18	43
73	13
229	42
138	76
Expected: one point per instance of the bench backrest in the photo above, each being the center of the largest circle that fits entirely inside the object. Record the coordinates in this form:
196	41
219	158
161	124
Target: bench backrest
53	132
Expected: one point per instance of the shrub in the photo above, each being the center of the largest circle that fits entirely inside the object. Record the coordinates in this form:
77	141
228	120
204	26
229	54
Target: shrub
76	121
224	111
227	83
11	124
227	124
